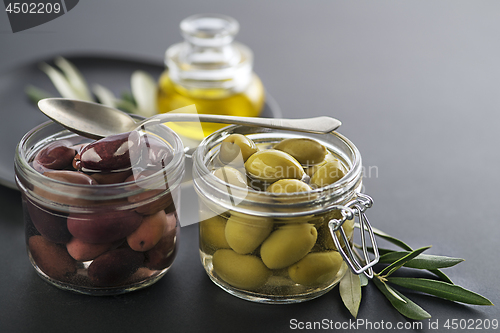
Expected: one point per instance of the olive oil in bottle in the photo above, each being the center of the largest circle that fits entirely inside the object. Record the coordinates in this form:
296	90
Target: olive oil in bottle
211	71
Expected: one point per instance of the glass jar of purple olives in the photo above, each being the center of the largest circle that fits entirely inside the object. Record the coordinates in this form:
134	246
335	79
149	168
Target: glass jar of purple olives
101	217
278	211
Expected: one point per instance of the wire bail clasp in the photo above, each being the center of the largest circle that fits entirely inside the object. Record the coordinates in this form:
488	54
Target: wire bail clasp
356	207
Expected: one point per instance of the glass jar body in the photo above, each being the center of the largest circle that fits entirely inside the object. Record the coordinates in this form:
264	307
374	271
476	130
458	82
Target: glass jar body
272	269
87	238
273	248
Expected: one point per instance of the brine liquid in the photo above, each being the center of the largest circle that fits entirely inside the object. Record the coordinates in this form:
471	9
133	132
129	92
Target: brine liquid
171	96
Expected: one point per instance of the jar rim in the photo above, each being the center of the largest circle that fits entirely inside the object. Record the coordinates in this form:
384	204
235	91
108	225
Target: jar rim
333	194
173	171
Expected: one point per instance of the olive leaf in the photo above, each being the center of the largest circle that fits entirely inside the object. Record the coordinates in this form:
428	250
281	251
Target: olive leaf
126	106
416	259
128	97
350	292
60	82
441	275
74	78
363	280
400	262
404	305
434	271
35	94
70	83
144	91
422	261
441	289
104	95
394	294
390	239
381	251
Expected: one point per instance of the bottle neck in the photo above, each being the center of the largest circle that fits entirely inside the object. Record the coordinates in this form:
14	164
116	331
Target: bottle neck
208	58
199	67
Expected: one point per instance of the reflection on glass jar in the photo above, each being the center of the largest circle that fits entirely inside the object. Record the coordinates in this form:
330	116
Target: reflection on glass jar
101	217
271	241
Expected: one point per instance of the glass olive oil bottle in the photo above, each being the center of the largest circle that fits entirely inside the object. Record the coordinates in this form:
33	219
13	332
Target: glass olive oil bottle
211	71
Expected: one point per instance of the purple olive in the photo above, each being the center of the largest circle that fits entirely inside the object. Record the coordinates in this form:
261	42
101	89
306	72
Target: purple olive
82	251
50	224
110	177
153	153
29	227
114	267
67	176
103	227
73	177
51	258
56	156
111	153
163	253
147	206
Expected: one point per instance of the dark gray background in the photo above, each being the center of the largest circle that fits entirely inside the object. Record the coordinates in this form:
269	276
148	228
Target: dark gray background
417	87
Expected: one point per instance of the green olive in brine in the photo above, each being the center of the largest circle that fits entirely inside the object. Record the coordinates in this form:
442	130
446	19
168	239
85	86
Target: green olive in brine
288	244
311	170
236	148
231	176
288	186
240	270
212	232
316	269
306	151
272	165
328	174
325	239
245	234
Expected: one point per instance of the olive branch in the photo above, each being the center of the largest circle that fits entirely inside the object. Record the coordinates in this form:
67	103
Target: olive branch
70	83
351	284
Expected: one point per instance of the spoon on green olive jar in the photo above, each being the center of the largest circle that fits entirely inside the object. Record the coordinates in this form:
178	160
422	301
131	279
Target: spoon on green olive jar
97	121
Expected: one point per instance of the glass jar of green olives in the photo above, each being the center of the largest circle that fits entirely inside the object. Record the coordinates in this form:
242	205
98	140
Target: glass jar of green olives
101	217
277	212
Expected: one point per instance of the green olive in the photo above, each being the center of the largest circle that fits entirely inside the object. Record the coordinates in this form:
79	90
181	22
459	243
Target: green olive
316	269
288	186
325	238
328	174
285	186
240	270
212	232
234	145
244	235
306	151
287	245
231	176
313	168
271	165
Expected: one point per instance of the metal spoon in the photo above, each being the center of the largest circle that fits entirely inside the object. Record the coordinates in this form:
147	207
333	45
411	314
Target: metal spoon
97	121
